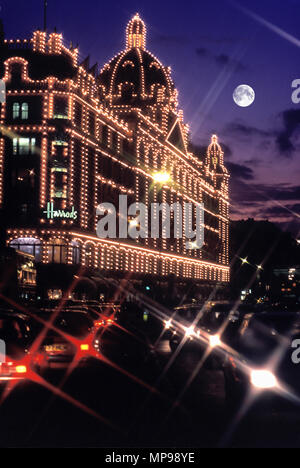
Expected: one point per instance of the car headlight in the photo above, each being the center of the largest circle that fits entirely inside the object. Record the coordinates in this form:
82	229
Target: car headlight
167	324
214	340
263	379
189	331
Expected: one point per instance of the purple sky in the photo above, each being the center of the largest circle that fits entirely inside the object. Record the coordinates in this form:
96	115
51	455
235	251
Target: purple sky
211	47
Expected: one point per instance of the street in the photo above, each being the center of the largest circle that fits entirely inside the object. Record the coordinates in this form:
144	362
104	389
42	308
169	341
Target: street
110	409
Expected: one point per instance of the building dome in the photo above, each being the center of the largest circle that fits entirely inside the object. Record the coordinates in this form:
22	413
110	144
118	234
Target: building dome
135	76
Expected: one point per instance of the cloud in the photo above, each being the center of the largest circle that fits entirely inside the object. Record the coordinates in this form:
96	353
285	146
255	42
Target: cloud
202	52
238	128
240	171
223	60
285	141
291	125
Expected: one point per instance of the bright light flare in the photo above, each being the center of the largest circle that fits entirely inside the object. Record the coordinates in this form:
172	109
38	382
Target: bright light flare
263	379
168	324
84	347
189	331
21	369
161	177
214	341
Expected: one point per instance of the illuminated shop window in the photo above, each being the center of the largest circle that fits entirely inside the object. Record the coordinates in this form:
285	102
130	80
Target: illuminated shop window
54	294
60	193
57	251
23	146
60	109
75	252
29	245
24	111
16	110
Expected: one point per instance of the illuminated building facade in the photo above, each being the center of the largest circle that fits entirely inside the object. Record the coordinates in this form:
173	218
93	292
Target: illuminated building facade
72	138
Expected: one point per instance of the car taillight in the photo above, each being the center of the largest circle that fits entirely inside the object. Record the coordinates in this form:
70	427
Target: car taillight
10	368
99	323
102	323
84	347
21	369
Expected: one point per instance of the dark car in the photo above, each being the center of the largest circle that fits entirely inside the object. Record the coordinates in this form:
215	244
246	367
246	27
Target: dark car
206	328
129	337
216	320
16	337
262	359
66	340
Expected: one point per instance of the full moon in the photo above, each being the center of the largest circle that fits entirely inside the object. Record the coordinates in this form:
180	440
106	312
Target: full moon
244	95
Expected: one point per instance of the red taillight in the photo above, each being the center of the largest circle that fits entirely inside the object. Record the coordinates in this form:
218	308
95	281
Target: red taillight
99	323
102	323
21	369
10	368
84	347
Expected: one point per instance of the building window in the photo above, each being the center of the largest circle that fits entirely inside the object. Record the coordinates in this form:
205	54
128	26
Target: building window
28	245
60	108
105	135
91	124
24	146
115	142
24	111
16	110
57	251
89	255
75	252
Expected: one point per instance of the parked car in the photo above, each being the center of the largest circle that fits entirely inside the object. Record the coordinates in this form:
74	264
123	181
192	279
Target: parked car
66	341
15	333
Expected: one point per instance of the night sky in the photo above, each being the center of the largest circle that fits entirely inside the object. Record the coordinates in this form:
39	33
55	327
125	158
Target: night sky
211	46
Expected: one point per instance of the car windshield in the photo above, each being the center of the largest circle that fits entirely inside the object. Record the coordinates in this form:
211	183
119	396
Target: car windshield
76	324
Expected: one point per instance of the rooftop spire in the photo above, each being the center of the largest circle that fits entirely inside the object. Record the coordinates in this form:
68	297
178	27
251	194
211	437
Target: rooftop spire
136	33
45	14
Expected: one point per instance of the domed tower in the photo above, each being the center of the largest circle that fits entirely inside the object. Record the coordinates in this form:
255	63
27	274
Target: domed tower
136	33
135	78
